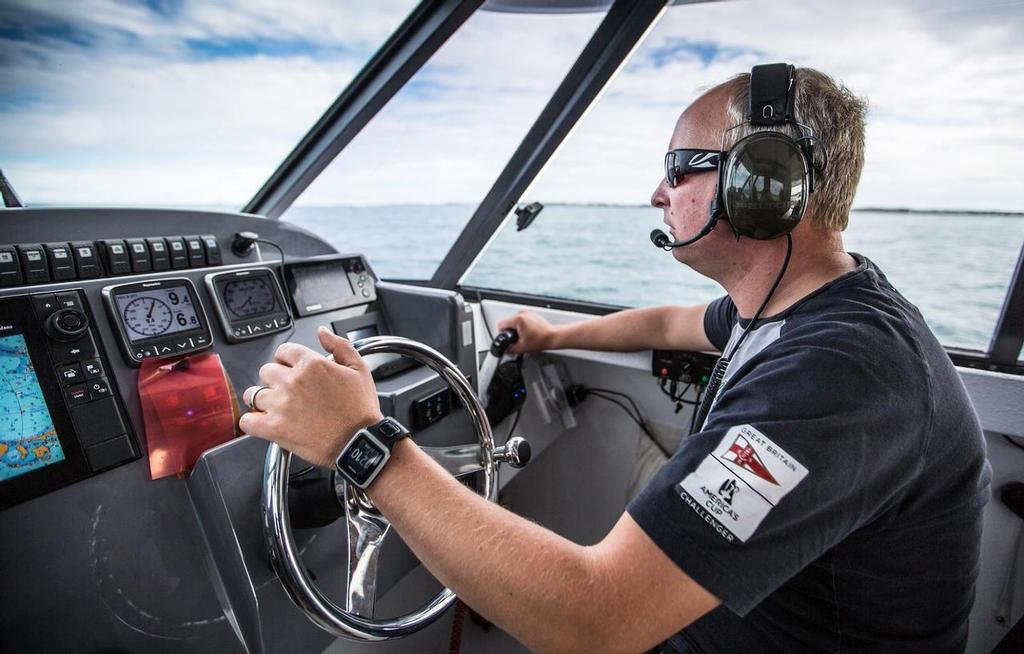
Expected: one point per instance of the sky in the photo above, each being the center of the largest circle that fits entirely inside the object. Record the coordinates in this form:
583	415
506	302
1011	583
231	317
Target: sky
178	103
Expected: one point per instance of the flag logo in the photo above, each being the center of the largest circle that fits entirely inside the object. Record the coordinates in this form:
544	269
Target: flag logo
742	454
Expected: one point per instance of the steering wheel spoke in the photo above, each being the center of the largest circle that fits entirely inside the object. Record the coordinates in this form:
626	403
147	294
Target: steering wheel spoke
366	532
458	460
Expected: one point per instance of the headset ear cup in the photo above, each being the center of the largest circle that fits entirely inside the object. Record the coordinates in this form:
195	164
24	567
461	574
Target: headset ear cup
764	185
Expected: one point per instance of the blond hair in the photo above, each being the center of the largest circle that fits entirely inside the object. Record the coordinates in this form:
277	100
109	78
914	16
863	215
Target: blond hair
837	117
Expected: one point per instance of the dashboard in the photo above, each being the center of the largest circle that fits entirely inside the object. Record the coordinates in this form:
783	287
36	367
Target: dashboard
91	301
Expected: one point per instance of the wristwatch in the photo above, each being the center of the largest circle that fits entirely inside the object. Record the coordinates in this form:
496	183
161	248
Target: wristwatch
368	451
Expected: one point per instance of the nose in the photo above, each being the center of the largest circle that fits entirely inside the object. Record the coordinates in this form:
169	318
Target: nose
659	199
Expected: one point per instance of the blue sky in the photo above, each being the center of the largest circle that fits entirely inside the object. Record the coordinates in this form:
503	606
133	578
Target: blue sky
171	102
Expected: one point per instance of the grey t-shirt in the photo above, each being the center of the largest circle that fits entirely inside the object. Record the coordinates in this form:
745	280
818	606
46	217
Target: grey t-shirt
833	500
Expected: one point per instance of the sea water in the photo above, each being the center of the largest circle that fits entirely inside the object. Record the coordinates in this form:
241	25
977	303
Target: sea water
954	267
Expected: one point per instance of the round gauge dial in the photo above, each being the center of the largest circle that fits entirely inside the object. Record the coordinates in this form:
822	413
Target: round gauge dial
147	316
248	297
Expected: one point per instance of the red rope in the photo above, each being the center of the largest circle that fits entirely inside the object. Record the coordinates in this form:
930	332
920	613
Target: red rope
457	620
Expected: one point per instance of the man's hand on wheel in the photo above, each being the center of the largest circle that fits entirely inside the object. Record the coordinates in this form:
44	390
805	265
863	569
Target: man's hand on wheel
312	405
535	333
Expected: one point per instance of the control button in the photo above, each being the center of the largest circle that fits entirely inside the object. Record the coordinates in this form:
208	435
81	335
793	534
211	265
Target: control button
10	266
110	453
98	421
83	348
69	300
45	305
201	341
361	283
179	255
77	395
66	325
270	325
163	348
139	353
362	279
62	264
366	293
92	368
159	254
181	345
70	374
33	263
194	245
138	250
98	389
213	257
117	258
86	261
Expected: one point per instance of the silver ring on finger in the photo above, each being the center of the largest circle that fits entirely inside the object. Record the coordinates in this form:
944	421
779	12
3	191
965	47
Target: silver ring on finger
252	398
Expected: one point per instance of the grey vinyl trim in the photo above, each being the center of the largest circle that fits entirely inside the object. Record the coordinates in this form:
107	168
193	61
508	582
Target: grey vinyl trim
413	43
621	29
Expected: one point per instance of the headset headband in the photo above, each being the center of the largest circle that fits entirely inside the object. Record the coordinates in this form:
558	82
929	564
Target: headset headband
771	99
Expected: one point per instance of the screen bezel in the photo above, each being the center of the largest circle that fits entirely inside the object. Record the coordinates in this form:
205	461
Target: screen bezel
342	264
215	284
74	466
110	294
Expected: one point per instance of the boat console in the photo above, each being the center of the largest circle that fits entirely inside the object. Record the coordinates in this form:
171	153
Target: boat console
91	302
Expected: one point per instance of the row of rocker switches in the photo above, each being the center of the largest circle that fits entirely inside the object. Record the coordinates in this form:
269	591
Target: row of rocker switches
38	263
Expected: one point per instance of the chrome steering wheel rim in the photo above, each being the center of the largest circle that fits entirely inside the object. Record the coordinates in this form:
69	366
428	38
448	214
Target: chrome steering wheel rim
366	525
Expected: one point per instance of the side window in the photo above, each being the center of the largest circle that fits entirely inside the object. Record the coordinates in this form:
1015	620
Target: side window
936	202
405	187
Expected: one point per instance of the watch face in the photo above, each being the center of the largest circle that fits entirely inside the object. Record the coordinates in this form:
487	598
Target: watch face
361	459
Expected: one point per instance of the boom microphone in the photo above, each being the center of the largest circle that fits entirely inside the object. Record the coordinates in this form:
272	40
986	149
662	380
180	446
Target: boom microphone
662	240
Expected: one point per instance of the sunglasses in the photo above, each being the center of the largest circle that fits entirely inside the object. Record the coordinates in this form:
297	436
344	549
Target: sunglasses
680	162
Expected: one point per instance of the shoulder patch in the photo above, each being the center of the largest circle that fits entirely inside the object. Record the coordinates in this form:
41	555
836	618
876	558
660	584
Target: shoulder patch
740	481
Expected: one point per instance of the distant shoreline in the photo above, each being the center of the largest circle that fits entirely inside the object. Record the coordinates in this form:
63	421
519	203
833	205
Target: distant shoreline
941	212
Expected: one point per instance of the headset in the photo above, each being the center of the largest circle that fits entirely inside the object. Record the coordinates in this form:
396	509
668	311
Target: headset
765	179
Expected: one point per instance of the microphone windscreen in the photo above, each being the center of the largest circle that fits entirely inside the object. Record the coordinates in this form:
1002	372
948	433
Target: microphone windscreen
659	238
1012	495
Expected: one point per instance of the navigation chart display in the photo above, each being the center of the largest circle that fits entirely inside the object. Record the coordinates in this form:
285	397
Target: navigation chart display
28	438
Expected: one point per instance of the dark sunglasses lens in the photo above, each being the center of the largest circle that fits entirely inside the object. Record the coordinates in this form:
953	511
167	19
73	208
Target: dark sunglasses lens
671	169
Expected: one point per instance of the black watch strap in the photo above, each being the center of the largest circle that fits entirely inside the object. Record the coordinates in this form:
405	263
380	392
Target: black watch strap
389	431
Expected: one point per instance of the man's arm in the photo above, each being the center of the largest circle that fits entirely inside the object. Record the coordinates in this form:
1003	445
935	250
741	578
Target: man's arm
620	595
631	330
623	594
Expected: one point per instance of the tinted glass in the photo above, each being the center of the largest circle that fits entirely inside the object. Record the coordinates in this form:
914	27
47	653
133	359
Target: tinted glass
406	185
169	103
938	205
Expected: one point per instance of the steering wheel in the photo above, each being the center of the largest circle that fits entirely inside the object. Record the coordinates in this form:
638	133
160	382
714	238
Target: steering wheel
366	526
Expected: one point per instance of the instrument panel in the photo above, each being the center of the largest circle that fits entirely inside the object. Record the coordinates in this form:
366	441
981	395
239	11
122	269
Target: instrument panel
249	303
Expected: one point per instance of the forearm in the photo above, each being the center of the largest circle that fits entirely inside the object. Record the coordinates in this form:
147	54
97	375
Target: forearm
541	588
632	330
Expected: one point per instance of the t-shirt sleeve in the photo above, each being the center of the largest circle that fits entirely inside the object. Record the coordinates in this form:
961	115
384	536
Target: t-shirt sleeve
719	318
793	458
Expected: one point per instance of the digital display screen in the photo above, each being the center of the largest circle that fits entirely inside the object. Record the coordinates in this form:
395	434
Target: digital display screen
249	297
157	312
362	458
321	286
28	437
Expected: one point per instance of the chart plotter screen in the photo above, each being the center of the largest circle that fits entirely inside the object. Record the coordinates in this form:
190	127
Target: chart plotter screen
28	438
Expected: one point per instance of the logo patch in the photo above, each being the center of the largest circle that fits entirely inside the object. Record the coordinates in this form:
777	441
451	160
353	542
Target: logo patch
743	454
740	482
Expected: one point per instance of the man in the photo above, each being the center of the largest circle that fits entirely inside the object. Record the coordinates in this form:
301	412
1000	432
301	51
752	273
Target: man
831	500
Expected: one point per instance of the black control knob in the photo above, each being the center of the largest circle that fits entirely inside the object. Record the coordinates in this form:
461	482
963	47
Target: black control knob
67	325
502	342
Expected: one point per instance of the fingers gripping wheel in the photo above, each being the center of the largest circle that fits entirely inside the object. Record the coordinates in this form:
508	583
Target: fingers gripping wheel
366	526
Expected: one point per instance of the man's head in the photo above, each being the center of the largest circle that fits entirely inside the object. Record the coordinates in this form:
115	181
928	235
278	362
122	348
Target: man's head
834	114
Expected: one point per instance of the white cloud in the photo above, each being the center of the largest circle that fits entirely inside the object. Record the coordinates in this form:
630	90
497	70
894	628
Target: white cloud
137	119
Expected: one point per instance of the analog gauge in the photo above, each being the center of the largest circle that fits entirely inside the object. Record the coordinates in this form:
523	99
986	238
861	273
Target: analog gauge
147	316
249	297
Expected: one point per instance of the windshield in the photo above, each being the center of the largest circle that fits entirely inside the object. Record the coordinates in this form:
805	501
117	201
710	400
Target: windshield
168	103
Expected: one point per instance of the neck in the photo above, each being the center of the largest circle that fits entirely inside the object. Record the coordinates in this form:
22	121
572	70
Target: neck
811	266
